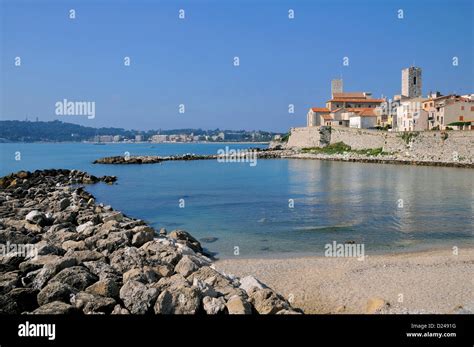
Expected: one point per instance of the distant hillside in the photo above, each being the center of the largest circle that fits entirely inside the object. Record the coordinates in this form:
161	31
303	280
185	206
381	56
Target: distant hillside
57	131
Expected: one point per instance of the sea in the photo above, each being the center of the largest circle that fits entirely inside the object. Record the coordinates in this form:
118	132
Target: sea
278	207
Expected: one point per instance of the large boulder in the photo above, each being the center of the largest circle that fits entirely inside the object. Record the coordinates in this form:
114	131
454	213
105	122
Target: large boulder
106	287
249	282
103	270
8	281
36	217
181	300
141	235
78	277
186	266
214	305
137	297
266	301
114	241
184	237
55	291
56	307
25	298
126	258
237	305
92	304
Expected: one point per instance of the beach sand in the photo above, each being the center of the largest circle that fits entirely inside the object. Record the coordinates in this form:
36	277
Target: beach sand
434	281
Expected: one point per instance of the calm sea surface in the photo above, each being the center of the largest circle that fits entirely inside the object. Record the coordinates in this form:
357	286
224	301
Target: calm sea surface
389	208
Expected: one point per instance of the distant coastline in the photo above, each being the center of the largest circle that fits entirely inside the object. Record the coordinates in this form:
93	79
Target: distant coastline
57	131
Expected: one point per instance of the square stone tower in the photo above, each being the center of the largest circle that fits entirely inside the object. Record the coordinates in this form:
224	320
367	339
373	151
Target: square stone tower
336	87
411	82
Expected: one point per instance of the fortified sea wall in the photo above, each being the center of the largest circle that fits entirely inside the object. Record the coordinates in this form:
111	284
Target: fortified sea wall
426	145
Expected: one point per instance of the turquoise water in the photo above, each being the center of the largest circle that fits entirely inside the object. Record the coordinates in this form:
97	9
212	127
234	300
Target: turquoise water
248	207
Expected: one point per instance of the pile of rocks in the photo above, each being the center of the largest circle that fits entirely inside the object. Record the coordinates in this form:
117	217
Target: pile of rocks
63	253
261	153
149	159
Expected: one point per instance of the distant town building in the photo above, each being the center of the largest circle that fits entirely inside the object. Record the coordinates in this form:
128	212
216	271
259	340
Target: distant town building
450	111
411	116
159	138
117	138
138	138
342	106
411	82
103	138
363	119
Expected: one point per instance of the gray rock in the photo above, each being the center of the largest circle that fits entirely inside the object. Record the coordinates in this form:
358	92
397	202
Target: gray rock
36	217
44	248
8	281
78	277
186	238
213	305
126	258
266	301
249	282
85	228
186	266
106	287
10	261
103	270
173	282
25	298
178	301
137	297
73	245
214	278
55	291
91	304
205	288
63	204
56	307
114	241
85	256
120	310
134	275
142	236
113	216
237	305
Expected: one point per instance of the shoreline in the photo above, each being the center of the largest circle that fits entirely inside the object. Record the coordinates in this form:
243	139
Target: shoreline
64	254
428	281
285	154
378	160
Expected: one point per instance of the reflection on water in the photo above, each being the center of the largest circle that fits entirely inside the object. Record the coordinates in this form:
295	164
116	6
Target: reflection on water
386	207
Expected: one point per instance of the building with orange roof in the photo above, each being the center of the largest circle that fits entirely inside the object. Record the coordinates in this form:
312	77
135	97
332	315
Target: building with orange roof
450	111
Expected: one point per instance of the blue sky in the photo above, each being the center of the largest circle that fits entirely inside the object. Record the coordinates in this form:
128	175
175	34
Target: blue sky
190	61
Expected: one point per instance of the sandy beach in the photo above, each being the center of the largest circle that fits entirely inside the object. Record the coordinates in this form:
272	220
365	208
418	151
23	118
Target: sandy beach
434	281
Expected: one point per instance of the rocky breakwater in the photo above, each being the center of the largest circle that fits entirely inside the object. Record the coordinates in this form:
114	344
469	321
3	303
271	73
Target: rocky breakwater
150	159
153	159
62	253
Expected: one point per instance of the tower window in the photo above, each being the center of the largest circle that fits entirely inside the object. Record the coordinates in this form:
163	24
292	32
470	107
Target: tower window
414	80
